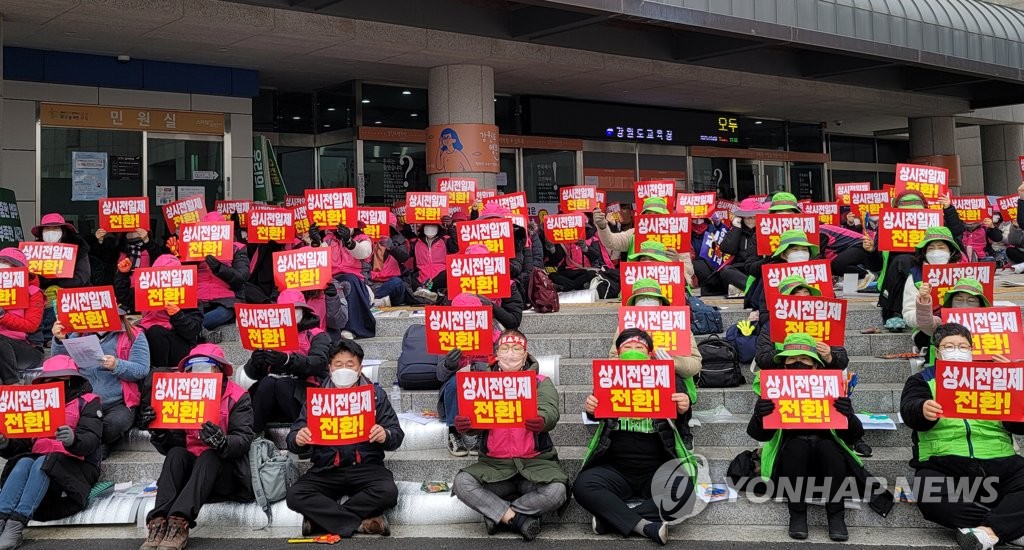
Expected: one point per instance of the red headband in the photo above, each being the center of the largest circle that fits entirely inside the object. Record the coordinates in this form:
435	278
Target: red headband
513	339
636	339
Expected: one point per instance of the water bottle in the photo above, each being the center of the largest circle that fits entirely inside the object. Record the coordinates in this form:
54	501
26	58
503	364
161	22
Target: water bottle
396	396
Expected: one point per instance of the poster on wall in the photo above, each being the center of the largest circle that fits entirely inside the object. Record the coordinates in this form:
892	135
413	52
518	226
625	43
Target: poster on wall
11	232
89	172
165	194
461	148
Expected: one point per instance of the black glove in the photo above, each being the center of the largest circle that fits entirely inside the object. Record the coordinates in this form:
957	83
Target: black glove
763	407
583	245
276	361
213	436
214	263
146	415
344	233
485	302
158	436
451	361
314	236
844	406
258	359
3	441
331	291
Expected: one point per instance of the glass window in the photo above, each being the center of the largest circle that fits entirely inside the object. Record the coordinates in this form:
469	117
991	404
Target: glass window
338	165
852	149
664	167
191	167
336	108
508	175
392	169
805	138
506	114
807	181
893	151
297	168
545	171
124	171
394	106
763	134
713	174
849	176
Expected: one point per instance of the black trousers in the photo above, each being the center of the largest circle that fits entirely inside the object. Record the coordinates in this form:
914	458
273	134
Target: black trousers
806	461
187	482
17	356
370	489
603	490
735	277
1015	255
572	279
166	347
117	419
1005	515
273	399
855	260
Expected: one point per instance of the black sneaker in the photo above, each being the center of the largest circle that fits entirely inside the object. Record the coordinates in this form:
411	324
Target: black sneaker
492	526
526	525
862	448
599	527
457	445
657	531
687	441
798	524
837	523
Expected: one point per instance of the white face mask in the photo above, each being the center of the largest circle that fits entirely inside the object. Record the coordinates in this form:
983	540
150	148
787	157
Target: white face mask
797	256
52	235
4	266
298	315
937	257
244	234
956	355
430	231
344	378
647	302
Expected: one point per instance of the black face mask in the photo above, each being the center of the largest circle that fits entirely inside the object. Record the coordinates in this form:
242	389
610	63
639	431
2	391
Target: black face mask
134	241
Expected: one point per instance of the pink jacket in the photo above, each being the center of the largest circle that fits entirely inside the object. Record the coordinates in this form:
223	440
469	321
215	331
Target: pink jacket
229	397
72	412
513	442
430	260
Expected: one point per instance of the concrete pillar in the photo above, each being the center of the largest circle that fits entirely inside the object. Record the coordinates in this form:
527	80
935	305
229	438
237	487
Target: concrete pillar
1001	145
932	136
462	94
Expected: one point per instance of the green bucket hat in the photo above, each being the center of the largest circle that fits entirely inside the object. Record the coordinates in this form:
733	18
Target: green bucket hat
794	237
652	250
799	344
784	201
939	233
909	199
790	284
655	205
646	288
966	285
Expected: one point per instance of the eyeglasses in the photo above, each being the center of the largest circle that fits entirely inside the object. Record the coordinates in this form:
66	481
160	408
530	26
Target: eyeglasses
955	347
505	348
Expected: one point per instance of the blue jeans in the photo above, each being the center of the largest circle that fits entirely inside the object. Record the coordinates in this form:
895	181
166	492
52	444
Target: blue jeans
450	401
394	289
45	332
24	490
217	317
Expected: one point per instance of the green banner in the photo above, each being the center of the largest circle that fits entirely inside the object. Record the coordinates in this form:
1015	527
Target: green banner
11	232
277	189
267	182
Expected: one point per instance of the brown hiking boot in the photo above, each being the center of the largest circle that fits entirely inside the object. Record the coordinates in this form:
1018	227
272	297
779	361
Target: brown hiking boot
157	528
177	534
375	526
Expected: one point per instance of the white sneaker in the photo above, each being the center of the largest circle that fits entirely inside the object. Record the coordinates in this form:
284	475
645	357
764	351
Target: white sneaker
867	280
1018	268
426	294
975	539
734	292
1018	542
382	302
348	334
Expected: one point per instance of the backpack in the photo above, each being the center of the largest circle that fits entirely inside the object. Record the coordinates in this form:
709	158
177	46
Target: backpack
720	364
542	292
706	319
417	369
273	472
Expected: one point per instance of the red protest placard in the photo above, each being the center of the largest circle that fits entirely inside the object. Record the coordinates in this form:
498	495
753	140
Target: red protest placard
302	269
271	224
14	288
497	399
240	207
294	200
375	222
930	181
1008	207
817	273
602	199
843	190
972	209
670	275
822	318
669	326
88	309
302	224
943	277
32	411
485	274
980	391
199	240
50	260
185	400
827	212
124	214
994	330
467	328
482	194
518	220
868	202
577	198
1020	161
565	228
614	212
267	326
494	233
187	210
643	190
770	228
460	191
671	230
901	229
158	287
696	205
724	210
515	202
331	208
804	399
341	416
634	389
398	209
425	207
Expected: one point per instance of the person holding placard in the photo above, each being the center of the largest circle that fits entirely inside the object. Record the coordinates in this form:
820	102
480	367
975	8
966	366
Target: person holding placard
387	267
741	244
937	248
53	229
355	470
221	284
17	354
794	248
50	478
508	312
282	378
1013	235
791	458
210	464
518	477
956	451
832	357
621	244
625	453
429	252
111	249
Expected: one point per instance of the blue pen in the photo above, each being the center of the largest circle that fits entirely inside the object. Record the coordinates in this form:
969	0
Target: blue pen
852	384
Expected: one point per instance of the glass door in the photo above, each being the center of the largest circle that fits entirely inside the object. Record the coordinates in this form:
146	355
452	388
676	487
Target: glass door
180	167
508	177
775	179
757	177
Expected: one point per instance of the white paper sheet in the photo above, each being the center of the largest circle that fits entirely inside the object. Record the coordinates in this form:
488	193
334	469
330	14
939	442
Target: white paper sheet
85	350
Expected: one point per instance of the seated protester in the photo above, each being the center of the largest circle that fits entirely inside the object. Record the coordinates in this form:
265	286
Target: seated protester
356	471
220	284
387	269
279	393
170	332
349	255
949	452
767	350
936	248
520	464
206	465
793	248
977	240
850	220
430	249
863	259
116	378
708	278
806	459
508	312
1013	236
997	248
833	239
522	264
617	244
17	354
741	244
966	293
624	455
53	229
109	249
330	306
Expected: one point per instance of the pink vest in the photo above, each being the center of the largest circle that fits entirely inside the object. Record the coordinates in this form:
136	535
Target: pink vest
157	317
976	239
512	442
319	306
13	334
306	338
143	258
72	412
388	271
212	287
430	260
347	263
231	394
129	390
